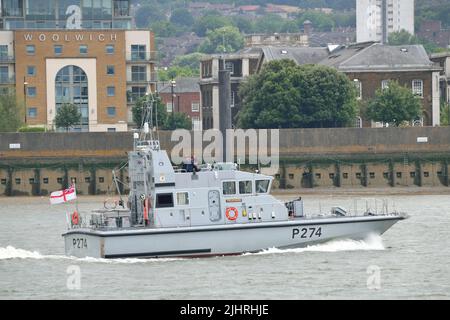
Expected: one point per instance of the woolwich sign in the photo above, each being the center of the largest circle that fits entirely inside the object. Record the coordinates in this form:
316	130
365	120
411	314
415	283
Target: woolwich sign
70	36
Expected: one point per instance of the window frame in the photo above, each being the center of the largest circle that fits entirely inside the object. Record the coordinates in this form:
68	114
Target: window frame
229	194
418	92
187	198
168	205
243	181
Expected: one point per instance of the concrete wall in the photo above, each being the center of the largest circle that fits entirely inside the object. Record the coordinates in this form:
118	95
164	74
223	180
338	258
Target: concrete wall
309	158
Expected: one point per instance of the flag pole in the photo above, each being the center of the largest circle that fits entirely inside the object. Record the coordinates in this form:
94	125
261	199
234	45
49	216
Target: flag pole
76	197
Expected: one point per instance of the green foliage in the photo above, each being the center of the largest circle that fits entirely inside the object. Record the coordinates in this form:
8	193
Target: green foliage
176	72
191	60
178	120
147	15
140	111
226	39
284	95
445	114
210	22
395	105
67	116
165	29
31	129
403	37
10	113
182	17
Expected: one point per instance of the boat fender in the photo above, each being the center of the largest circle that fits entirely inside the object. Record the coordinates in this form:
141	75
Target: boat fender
231	216
75	218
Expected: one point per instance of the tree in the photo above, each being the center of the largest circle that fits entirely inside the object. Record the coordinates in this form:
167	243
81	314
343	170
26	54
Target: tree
10	113
394	104
445	113
320	20
164	29
139	110
210	21
182	17
146	15
226	39
67	116
403	37
178	120
284	95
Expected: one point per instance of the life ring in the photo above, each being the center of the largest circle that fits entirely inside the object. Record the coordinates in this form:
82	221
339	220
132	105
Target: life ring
235	213
75	218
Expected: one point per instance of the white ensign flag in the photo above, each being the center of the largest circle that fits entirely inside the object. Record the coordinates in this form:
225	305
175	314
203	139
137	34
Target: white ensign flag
63	195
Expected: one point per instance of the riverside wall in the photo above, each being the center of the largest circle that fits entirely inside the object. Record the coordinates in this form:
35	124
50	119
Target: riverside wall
39	163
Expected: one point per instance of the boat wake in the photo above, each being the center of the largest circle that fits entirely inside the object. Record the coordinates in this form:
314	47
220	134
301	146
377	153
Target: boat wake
371	243
10	253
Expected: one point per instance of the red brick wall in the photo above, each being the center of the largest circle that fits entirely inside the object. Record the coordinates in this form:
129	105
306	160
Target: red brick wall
183	102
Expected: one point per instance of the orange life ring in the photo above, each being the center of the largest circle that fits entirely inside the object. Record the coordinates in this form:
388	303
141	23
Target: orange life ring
235	213
75	218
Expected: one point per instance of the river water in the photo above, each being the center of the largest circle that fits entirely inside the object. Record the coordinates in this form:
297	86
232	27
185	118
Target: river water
410	261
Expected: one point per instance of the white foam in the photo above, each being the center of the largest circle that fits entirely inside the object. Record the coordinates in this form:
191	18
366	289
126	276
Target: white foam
371	243
13	253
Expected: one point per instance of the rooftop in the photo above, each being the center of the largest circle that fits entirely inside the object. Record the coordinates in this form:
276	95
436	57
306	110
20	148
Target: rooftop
182	85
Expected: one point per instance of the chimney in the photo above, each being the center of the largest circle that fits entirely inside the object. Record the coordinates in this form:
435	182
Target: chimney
224	105
308	27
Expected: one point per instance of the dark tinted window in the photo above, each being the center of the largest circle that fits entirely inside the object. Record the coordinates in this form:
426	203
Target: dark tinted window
164	200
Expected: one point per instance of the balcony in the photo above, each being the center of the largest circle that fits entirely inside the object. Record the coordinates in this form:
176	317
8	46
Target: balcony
141	57
7	59
139	79
7	80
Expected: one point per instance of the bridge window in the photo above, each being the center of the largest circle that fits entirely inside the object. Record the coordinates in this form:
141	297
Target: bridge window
164	200
245	187
229	187
262	186
182	198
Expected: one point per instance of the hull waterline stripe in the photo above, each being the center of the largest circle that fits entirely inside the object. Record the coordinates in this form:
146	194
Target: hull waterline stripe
160	231
156	254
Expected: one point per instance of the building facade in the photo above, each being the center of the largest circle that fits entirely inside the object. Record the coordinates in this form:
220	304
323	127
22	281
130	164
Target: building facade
101	71
376	19
182	95
240	65
443	59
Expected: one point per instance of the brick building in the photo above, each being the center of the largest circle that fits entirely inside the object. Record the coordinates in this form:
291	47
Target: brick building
71	52
443	59
433	32
182	95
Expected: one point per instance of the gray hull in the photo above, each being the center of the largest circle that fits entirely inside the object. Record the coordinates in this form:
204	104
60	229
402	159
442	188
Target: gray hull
220	240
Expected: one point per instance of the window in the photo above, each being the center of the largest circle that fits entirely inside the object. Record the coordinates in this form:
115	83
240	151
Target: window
4	74
277	176
399	174
386	175
111	91
358	175
45	181
59	180
426	174
31	49
318	176
229	187
138	52
412	174
384	84
110	70
111	130
87	179
245	187
31	180
229	66
195	106
58	49
32	112
345	175
358	86
83	49
138	73
417	88
182	198
3	51
232	100
18	181
111	111
109	49
164	200
169	106
372	175
3	181
291	176
331	175
31	71
31	91
262	186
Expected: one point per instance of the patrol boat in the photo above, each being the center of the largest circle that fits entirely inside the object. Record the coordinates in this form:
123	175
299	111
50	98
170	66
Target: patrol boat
207	210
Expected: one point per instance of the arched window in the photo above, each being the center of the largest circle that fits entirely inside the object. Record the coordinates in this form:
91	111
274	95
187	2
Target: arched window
71	86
